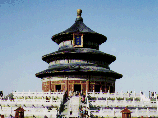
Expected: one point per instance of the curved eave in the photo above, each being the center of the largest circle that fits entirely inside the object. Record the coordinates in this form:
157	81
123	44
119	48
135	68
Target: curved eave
78	27
84	56
58	38
47	73
78	55
45	57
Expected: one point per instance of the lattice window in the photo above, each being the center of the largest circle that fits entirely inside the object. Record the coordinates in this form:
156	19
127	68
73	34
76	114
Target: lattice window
66	61
78	60
67	42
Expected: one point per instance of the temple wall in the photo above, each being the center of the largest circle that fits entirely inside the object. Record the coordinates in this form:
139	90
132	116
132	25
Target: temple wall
68	82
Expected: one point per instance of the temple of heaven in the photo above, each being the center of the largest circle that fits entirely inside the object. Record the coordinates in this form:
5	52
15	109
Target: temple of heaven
78	65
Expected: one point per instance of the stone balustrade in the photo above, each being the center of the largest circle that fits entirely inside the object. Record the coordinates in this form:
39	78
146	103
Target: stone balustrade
117	113
41	112
121	103
38	94
27	102
101	99
118	95
31	102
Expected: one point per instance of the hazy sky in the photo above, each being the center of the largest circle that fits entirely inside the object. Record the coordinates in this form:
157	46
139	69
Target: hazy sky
26	28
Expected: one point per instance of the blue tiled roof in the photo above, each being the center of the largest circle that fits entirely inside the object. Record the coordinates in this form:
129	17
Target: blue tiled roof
78	27
76	68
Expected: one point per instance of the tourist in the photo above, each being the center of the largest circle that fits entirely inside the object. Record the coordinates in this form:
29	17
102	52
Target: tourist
69	93
46	99
83	98
70	111
84	111
81	111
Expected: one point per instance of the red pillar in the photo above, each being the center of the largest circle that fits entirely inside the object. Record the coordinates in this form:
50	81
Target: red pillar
42	86
87	85
2	116
114	87
49	85
109	90
100	87
106	87
67	86
93	87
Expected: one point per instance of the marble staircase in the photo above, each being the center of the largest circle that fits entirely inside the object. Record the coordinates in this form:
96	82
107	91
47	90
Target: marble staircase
71	105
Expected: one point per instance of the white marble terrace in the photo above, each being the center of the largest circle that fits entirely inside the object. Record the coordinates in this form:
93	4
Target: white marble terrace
35	104
115	104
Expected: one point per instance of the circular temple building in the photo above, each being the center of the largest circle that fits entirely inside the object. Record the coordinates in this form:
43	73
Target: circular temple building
78	65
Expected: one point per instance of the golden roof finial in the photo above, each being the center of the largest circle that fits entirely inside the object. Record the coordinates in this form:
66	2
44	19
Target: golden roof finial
79	11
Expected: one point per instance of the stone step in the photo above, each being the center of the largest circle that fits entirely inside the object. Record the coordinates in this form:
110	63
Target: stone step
74	104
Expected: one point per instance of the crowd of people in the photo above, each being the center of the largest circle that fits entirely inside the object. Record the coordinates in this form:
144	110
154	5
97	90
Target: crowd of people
83	111
83	99
77	93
